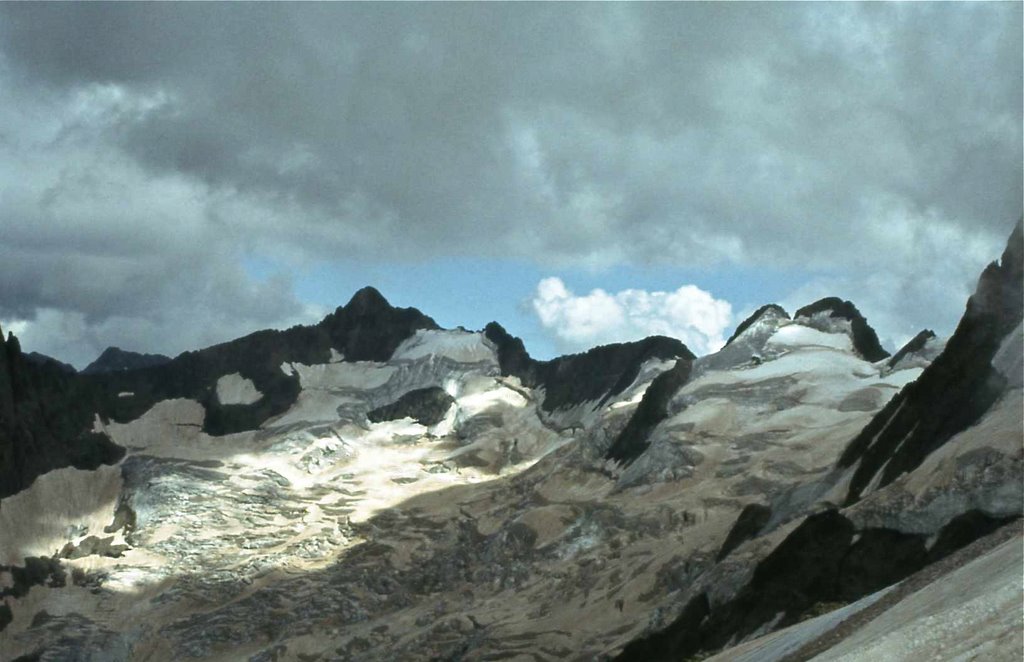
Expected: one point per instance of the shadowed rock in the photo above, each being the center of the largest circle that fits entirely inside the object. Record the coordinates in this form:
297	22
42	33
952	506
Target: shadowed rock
45	421
653	408
752	519
865	340
595	375
115	359
916	344
954	392
43	359
772	309
427	406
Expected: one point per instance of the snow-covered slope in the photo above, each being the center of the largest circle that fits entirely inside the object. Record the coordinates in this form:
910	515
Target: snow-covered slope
377	488
221	524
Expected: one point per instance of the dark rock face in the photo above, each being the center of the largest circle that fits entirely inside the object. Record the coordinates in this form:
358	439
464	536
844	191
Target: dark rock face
916	344
512	355
771	309
43	359
752	519
653	409
92	545
880	557
37	571
45	421
790	580
824	560
114	359
683	635
597	374
368	328
865	340
427	406
954	391
962	530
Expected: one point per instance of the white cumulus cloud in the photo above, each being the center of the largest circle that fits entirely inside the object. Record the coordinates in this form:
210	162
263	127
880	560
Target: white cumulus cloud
582	321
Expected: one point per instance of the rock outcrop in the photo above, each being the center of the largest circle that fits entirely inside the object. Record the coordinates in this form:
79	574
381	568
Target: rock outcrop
955	391
652	410
45	421
426	406
593	376
914	345
115	359
46	413
43	359
865	340
770	310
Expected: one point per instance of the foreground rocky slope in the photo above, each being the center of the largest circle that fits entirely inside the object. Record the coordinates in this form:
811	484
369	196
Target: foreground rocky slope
374	487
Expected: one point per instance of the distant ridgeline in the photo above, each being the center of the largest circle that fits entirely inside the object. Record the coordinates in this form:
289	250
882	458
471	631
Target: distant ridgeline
48	409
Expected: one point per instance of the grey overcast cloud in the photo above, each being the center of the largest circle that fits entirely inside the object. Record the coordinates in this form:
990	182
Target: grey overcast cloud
175	175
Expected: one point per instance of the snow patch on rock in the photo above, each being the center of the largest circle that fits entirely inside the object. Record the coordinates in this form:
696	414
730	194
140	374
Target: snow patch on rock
459	346
798	335
234	389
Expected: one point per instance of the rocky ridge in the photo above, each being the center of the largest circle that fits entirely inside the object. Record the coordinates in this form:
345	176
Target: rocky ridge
115	359
374	487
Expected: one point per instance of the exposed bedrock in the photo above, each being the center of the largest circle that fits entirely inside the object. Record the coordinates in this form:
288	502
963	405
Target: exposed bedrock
36	357
752	519
115	359
766	311
367	328
45	421
653	408
825	560
865	340
915	344
596	375
836	557
426	406
954	391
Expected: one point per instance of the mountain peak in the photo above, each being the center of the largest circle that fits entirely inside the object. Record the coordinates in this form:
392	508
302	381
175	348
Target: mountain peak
115	359
914	345
368	328
865	340
770	309
367	299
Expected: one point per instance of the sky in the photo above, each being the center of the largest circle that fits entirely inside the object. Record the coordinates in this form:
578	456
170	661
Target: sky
177	175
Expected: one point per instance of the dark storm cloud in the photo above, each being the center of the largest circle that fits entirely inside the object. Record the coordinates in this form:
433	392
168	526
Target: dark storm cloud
813	134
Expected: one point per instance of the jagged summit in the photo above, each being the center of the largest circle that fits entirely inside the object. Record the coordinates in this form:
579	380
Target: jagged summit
915	344
597	374
368	299
369	328
115	359
865	340
767	311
